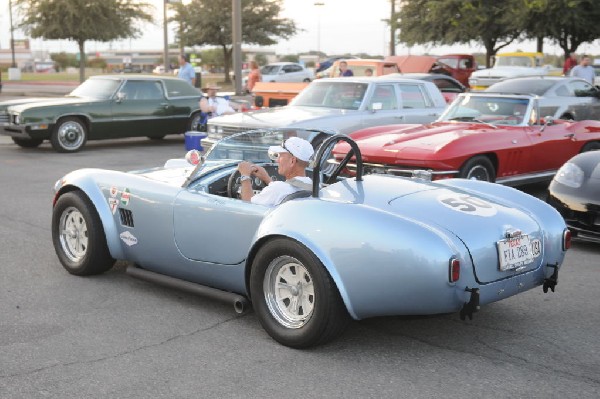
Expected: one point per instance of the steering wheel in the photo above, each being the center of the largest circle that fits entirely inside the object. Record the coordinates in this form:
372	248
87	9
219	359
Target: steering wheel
324	151
234	184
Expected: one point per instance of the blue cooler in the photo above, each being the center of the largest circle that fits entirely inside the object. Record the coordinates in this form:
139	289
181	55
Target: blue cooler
193	140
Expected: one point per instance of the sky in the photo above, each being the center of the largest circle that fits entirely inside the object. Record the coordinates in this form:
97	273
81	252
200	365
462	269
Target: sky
336	27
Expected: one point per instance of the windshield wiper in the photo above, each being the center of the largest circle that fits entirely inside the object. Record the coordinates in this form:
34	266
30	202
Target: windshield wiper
473	119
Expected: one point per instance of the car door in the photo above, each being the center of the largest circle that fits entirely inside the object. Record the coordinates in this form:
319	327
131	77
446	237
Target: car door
550	147
292	73
215	229
383	106
415	104
586	100
140	109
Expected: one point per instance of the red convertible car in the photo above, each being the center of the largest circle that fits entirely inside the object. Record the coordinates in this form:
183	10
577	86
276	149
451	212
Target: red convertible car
493	137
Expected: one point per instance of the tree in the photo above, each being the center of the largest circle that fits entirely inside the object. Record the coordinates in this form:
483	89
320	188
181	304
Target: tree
64	60
208	22
569	23
83	20
489	22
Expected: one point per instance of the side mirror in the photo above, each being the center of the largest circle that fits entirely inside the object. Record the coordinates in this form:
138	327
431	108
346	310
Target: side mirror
546	121
121	96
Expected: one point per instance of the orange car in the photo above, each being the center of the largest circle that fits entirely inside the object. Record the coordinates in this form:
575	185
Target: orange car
358	67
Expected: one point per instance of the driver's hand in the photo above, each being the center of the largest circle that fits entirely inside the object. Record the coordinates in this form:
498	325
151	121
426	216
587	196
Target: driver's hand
261	173
246	168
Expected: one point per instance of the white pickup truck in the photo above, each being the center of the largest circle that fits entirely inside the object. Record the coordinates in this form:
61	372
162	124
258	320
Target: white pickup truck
512	65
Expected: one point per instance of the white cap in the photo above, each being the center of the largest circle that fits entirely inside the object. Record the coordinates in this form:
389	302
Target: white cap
298	147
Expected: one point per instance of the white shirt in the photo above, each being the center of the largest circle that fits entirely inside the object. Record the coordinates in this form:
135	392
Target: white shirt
221	104
584	72
276	191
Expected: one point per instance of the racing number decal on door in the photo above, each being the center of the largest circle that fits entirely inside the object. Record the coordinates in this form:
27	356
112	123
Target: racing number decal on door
467	204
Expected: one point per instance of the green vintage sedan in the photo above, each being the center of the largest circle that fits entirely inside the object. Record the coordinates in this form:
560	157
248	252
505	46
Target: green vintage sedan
103	107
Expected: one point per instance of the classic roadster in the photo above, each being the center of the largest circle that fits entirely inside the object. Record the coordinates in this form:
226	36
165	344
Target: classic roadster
350	248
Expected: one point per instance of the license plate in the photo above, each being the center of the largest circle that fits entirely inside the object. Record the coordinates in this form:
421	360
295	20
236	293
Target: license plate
516	252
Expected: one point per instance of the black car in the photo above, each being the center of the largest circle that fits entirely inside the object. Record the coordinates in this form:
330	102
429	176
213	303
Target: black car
575	193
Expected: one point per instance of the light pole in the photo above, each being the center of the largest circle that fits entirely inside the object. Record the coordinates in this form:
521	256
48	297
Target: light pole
318	4
12	38
165	37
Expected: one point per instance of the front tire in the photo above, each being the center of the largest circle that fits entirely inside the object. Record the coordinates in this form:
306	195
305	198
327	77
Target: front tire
296	300
27	143
478	168
591	146
69	135
78	236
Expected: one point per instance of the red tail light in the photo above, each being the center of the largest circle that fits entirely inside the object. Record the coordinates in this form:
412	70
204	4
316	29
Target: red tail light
566	239
454	270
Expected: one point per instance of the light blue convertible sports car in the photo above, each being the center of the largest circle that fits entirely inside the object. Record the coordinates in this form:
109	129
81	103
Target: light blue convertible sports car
351	248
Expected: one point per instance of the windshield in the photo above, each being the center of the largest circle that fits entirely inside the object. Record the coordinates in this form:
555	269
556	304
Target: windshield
489	109
96	88
253	146
270	69
332	94
514	61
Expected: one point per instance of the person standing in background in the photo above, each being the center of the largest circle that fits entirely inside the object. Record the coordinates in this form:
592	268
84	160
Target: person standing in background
344	71
570	62
186	70
584	70
253	77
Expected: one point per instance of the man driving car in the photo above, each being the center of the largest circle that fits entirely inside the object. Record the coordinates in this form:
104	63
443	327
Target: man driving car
292	156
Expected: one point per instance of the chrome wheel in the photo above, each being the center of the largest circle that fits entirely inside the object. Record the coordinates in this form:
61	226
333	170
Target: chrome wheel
479	172
69	135
73	234
289	292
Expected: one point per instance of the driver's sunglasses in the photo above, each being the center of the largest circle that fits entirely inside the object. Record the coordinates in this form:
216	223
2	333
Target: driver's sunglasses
275	155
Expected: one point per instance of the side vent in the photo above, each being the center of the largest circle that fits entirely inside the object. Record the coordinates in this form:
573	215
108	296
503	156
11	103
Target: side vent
126	217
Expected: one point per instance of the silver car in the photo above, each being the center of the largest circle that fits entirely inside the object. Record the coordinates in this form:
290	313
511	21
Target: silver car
342	105
560	97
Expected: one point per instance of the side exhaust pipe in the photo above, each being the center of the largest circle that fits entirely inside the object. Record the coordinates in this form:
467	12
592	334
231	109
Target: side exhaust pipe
240	302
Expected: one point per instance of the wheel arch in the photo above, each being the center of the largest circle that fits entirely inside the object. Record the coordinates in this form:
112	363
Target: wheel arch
312	247
83	117
106	217
492	156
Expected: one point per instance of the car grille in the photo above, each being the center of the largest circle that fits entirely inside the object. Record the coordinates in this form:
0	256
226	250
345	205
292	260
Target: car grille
3	117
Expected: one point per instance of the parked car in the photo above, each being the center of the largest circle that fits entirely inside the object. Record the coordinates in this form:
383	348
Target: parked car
343	105
459	66
159	69
483	136
323	65
350	249
560	97
449	86
575	193
358	67
286	72
103	107
512	65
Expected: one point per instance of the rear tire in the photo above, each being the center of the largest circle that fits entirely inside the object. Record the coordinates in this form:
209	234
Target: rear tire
78	236
27	143
296	301
69	135
478	168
